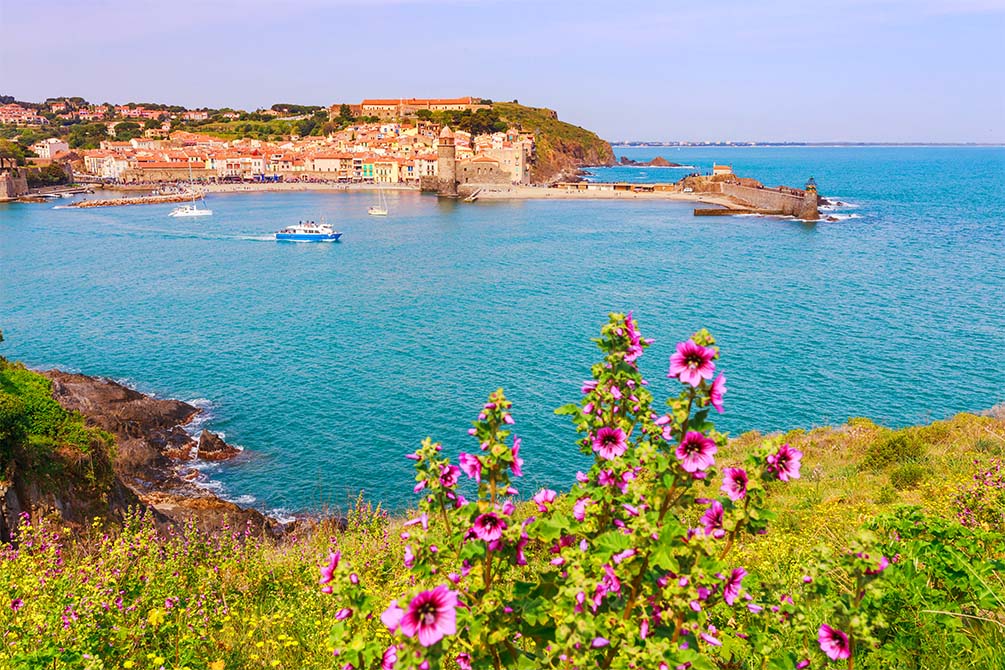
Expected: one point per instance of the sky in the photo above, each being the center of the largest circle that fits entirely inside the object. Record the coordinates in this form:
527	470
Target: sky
738	70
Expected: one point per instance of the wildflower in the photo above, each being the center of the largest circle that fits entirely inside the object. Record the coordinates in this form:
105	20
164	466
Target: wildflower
610	443
343	614
636	340
588	386
409	556
731	591
716	392
488	527
715	642
579	509
615	392
471	465
833	642
691	363
463	661
599	642
431	615
391	617
785	462
543	498
517	465
711	520
883	563
521	559
328	571
448	476
695	452
16	604
734	483
421	519
805	663
389	658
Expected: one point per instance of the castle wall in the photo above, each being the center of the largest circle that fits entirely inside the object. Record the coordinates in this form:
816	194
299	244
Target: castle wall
13	184
794	203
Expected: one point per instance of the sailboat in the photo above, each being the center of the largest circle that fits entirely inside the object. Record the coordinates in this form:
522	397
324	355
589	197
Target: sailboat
192	209
380	209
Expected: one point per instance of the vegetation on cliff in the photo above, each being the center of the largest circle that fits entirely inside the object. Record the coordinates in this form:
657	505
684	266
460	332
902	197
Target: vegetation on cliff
44	443
868	547
562	147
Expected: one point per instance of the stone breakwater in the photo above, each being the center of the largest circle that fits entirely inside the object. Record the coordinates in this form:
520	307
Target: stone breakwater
138	200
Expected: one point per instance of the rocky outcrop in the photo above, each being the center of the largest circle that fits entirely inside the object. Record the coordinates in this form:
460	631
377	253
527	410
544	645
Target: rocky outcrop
151	445
659	161
213	448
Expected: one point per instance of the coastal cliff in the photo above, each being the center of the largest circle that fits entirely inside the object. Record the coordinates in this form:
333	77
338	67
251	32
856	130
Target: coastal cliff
561	148
84	447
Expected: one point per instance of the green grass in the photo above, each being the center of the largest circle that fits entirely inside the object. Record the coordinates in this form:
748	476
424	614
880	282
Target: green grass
126	597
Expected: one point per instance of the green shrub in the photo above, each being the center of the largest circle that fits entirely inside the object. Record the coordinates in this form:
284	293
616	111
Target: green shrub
989	445
907	476
887	494
891	448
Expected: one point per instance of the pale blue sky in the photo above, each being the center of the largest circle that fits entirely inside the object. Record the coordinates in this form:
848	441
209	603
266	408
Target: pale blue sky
886	70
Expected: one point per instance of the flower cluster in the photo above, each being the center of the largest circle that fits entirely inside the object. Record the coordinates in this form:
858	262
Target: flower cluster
612	573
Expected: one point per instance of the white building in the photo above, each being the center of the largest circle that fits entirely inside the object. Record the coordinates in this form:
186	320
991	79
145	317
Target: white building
50	147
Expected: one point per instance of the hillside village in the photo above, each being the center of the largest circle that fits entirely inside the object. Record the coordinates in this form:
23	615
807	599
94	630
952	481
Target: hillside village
380	141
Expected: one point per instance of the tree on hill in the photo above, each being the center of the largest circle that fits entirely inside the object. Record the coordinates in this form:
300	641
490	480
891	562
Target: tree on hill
345	113
127	130
87	135
11	151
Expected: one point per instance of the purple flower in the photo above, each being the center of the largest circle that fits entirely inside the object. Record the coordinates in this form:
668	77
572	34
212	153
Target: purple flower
805	663
883	563
833	642
785	462
610	443
711	520
463	661
731	591
471	465
409	556
715	642
448	476
579	509
517	465
695	452
588	386
599	642
16	604
716	392
488	527
343	614
431	615
543	498
391	617
691	363
389	658
734	483
328	571
635	340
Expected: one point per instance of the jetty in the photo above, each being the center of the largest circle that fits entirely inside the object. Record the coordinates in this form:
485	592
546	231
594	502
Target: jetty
137	200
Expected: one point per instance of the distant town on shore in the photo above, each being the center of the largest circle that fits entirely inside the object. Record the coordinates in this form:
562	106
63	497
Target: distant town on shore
378	141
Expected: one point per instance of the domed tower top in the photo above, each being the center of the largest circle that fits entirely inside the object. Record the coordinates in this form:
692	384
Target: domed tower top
446	135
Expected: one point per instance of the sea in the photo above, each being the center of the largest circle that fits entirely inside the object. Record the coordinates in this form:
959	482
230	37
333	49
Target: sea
327	363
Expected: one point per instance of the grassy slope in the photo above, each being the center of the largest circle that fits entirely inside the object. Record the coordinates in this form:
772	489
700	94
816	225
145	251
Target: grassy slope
560	146
256	605
45	442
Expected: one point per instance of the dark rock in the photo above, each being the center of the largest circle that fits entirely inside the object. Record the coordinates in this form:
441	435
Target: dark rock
213	448
659	161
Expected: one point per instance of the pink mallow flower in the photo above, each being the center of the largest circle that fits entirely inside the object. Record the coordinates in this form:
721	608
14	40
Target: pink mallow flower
488	527
391	617
328	571
692	362
543	498
471	465
833	642
711	520
731	591
431	615
610	443
734	483
389	658
716	392
449	475
517	465
696	452
785	462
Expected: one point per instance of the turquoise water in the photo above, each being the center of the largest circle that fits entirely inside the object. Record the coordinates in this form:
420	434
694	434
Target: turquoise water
328	362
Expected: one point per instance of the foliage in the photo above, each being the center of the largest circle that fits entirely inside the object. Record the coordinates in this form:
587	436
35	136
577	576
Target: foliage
908	586
897	447
981	503
907	475
50	175
37	435
87	135
127	130
12	151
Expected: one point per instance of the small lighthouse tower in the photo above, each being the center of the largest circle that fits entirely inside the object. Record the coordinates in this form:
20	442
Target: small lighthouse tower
810	210
446	163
